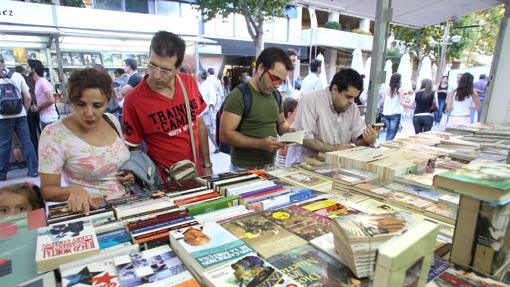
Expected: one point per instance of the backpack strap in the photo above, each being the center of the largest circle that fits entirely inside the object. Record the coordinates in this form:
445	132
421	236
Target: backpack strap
10	73
245	90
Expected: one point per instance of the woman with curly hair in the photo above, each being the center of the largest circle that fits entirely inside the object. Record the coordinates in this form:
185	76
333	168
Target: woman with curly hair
86	147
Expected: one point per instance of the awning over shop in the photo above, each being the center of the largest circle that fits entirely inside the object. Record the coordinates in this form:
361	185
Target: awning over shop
247	48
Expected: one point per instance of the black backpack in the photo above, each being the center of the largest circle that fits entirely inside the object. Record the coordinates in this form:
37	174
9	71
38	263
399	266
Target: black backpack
10	98
245	90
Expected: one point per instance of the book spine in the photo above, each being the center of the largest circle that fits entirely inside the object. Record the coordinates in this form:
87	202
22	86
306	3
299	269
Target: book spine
197	199
158	218
159	226
214	205
464	236
142	238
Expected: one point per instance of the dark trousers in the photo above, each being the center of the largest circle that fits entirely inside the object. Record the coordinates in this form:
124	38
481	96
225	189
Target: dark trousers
34	128
422	124
392	126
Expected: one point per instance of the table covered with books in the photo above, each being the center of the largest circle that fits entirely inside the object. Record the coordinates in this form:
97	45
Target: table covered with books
427	210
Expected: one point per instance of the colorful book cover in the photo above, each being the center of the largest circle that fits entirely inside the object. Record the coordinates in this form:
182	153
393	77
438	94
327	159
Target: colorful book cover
113	238
98	274
250	270
437	268
311	267
265	236
454	277
209	244
483	173
328	207
299	221
147	267
60	243
17	255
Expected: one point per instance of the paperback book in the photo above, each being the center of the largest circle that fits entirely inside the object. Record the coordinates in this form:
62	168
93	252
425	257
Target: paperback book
265	236
311	267
206	246
62	243
250	270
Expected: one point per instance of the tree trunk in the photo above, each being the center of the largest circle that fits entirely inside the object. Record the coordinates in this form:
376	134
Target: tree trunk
259	43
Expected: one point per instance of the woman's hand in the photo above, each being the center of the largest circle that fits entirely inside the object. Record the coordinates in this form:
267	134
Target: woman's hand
79	200
126	177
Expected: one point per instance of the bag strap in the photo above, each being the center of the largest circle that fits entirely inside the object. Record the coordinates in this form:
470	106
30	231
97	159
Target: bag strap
109	121
188	114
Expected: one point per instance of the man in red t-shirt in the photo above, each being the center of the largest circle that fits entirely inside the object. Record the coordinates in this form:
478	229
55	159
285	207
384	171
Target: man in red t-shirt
155	112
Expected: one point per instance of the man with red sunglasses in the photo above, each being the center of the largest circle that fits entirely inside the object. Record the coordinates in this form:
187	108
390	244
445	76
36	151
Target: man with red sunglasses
253	137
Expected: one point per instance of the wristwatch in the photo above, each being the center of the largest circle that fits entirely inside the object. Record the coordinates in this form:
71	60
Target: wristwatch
207	165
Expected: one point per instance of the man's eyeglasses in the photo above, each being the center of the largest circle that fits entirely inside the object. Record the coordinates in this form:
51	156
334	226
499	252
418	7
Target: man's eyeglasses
275	79
153	68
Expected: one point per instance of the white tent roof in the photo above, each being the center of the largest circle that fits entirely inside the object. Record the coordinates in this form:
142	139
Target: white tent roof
416	13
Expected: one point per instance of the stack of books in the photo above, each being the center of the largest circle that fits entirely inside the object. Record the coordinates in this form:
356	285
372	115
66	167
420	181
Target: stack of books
357	238
482	233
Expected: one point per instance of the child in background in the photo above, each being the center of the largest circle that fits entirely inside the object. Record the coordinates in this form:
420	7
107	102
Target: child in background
19	198
289	112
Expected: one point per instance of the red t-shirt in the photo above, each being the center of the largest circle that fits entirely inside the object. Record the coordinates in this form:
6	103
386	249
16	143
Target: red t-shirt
162	122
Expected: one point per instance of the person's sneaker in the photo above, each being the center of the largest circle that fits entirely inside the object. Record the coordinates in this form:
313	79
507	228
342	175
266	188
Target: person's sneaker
33	174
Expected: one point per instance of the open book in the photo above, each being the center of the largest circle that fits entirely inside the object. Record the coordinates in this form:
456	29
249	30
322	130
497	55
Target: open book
293	138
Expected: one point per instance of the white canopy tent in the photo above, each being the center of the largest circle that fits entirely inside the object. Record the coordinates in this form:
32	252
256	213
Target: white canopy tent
388	70
405	69
425	71
357	61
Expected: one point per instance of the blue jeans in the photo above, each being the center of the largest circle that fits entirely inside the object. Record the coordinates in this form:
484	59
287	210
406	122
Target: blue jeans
20	126
479	113
440	109
422	124
392	126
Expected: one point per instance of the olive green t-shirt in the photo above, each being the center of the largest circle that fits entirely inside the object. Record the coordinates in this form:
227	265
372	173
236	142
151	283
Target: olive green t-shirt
261	122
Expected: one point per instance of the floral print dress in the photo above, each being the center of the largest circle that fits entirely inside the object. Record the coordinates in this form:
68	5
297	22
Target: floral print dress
81	164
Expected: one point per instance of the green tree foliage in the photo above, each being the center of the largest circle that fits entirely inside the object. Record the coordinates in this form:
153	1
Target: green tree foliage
478	33
255	12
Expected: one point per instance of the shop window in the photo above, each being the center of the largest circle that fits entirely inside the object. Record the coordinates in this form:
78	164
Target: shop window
115	5
169	8
137	6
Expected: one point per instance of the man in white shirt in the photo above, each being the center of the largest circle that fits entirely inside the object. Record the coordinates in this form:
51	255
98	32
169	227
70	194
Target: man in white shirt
216	83
312	81
16	123
331	119
209	94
